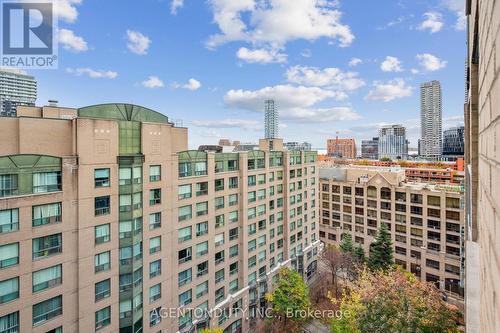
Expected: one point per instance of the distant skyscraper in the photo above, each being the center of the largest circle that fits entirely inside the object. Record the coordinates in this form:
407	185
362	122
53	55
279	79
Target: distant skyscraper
431	144
271	119
392	142
342	148
453	141
369	149
16	89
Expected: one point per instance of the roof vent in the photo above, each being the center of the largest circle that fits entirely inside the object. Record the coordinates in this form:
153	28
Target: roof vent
53	102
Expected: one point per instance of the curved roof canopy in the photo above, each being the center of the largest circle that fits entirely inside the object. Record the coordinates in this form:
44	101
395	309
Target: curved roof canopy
121	111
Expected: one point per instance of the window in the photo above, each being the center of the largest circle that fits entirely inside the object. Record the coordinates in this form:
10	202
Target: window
219	257
102	233
10	323
251	181
47	310
125	309
185	277
201	229
219	294
202	269
47	278
46	182
185	213
233	234
233	251
184	191
154	293
219	221
185	255
154	197
202	208
155	268
102	289
102	318
47	246
102	262
185	298
233	182
101	206
101	177
8	185
154	221
233	216
233	268
9	290
201	289
46	214
219	184
154	173
155	317
184	234
155	245
233	199
9	255
252	196
201	189
201	249
219	239
9	220
219	203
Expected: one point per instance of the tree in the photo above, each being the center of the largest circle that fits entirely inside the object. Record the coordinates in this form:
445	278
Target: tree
381	251
213	330
290	296
334	259
359	253
346	245
385	159
394	301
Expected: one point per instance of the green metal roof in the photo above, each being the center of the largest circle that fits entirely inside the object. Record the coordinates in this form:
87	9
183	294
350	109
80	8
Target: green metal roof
121	111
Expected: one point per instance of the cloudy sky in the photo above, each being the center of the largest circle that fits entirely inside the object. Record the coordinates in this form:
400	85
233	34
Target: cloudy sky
333	66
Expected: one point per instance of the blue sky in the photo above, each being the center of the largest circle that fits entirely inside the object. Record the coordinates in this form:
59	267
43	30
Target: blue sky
332	66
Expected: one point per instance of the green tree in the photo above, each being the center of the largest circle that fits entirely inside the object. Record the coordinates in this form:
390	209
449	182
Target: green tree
359	253
385	159
346	245
381	251
213	330
290	296
394	301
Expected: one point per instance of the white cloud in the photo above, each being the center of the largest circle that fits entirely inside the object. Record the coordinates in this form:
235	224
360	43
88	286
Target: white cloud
71	42
389	91
306	53
94	74
175	5
354	62
294	103
433	21
228	123
261	56
137	42
414	71
153	82
430	62
331	78
66	10
192	84
391	64
458	7
276	22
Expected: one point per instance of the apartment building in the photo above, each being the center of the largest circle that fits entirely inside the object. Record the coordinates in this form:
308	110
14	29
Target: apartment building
109	223
425	221
482	166
342	148
16	88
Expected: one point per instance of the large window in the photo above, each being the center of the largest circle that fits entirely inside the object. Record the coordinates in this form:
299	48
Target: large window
101	206
155	268
201	229
154	293
154	221
155	245
185	298
102	262
9	290
9	255
47	246
185	213
154	197
102	318
185	255
101	177
102	289
154	173
10	323
184	234
47	310
47	278
46	182
47	214
9	220
185	276
201	249
8	185
102	233
184	191
202	208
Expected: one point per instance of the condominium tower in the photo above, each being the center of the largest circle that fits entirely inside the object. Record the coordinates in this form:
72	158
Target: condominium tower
453	141
369	149
271	119
341	148
425	221
431	119
482	158
109	223
16	88
392	142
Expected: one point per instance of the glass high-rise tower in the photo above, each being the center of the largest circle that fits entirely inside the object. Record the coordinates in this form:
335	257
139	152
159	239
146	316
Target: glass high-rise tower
431	143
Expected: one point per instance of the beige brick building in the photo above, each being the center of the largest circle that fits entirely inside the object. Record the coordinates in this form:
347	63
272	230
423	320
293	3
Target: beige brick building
482	158
425	221
109	223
